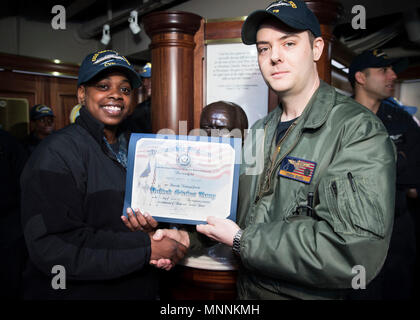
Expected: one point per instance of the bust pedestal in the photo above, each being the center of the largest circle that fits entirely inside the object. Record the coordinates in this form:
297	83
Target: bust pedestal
209	274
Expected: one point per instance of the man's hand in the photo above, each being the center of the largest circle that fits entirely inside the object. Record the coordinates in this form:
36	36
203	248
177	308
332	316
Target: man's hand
180	236
222	230
175	234
167	251
139	221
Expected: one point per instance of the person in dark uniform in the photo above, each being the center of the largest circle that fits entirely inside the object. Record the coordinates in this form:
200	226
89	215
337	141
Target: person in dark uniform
372	75
141	119
12	244
42	125
73	198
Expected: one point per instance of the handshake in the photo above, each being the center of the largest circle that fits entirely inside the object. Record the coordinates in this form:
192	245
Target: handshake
169	246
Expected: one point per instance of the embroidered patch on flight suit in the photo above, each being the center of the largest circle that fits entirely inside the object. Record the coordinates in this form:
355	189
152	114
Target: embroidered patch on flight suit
297	169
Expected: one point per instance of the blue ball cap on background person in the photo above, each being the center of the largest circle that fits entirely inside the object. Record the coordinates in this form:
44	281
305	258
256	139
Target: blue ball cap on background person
146	71
295	14
375	58
96	62
394	102
39	111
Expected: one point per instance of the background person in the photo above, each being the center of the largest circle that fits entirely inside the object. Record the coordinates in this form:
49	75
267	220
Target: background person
141	119
12	243
41	126
372	75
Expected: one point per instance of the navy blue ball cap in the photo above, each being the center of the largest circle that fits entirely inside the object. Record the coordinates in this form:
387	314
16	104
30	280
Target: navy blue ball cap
375	59
97	62
39	111
146	72
294	13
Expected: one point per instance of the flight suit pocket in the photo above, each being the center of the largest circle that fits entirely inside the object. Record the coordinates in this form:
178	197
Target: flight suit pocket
352	202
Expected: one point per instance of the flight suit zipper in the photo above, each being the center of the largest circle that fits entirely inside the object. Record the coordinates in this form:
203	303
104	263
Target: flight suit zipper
334	188
265	186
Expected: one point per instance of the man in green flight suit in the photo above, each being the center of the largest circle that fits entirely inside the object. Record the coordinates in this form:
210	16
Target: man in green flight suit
316	204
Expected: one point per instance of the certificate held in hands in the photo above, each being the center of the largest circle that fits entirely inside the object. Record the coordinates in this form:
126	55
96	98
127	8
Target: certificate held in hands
183	179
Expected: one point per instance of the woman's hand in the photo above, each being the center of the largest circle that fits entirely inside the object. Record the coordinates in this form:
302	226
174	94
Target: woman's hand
139	221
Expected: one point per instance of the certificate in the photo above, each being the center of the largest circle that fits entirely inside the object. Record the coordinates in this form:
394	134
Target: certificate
183	179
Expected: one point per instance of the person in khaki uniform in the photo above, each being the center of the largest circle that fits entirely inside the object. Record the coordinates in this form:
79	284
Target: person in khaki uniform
316	203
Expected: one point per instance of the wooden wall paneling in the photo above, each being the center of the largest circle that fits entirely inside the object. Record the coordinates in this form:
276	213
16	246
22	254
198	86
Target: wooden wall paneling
63	98
224	29
57	92
324	63
23	86
18	85
199	74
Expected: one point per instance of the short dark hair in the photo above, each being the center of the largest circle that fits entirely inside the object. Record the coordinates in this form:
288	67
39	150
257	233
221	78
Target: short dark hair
311	38
352	80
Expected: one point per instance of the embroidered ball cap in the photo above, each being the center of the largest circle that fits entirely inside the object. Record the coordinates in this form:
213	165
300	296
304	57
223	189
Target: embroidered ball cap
97	62
39	111
146	71
375	59
294	13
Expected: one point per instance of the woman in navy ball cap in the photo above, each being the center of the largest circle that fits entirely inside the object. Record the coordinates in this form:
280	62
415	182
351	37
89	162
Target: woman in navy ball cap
72	200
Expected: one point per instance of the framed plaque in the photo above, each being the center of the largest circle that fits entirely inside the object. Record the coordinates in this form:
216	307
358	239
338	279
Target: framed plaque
233	75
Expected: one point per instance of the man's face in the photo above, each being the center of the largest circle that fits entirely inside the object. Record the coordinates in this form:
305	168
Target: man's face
107	99
43	126
286	57
379	82
147	87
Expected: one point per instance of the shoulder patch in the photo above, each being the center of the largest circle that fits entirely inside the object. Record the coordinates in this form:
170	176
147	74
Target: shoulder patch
297	169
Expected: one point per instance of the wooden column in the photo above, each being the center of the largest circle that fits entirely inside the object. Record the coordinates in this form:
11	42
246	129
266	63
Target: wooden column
327	12
172	47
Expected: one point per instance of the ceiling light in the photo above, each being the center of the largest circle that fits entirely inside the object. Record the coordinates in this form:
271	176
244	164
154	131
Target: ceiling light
134	26
337	64
106	36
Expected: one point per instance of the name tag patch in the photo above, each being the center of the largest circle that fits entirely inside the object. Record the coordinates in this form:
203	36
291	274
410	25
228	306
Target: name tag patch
297	169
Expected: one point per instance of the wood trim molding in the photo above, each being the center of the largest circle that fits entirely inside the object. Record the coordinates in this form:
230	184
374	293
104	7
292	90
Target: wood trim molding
24	63
171	21
199	74
172	45
218	30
